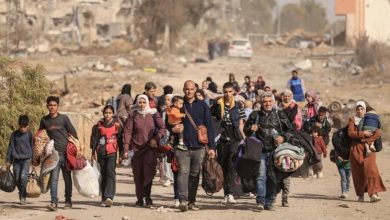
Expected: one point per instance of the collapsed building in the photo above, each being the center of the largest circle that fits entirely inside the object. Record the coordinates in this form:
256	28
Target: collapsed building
33	25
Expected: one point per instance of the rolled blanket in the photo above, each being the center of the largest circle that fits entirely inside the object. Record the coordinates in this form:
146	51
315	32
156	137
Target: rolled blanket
40	141
49	164
288	158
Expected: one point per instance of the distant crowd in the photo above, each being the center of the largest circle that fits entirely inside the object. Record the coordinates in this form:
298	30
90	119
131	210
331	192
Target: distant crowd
258	136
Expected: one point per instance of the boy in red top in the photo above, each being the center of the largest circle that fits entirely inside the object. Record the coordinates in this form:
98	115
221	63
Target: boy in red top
174	118
320	147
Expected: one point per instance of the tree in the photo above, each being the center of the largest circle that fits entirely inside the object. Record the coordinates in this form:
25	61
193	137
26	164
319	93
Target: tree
155	16
23	91
255	16
308	15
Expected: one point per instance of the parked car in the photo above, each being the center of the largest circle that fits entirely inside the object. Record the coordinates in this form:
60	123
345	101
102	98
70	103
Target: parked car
240	48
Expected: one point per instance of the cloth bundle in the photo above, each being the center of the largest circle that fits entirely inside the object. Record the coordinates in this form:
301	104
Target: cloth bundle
288	158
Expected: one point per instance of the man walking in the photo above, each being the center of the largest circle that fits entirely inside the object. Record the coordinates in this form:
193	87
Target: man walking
231	116
58	126
190	158
270	125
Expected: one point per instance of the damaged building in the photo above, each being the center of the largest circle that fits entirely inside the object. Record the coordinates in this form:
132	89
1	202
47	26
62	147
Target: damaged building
41	25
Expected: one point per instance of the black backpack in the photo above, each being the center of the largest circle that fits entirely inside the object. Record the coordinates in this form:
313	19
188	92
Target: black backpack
342	143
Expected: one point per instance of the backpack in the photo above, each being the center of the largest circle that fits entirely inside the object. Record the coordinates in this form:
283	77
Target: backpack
212	176
342	143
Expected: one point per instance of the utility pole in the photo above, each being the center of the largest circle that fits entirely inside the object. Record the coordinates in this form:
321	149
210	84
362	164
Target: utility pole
7	24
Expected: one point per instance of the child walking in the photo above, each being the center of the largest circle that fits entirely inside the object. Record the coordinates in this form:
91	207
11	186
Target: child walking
104	148
19	154
320	147
174	118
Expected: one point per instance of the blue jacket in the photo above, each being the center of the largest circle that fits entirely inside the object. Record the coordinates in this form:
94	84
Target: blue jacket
371	120
201	115
20	146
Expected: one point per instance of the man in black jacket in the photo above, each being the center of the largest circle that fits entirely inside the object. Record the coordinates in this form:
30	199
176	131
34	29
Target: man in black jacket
230	115
270	125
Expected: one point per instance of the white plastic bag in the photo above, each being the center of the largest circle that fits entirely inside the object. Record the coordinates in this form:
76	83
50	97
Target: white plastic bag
96	168
86	181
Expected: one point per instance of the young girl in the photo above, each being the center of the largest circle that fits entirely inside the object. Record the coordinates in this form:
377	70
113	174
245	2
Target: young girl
320	147
104	147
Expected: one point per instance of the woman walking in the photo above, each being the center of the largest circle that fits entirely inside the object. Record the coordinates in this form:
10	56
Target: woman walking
143	130
365	173
105	135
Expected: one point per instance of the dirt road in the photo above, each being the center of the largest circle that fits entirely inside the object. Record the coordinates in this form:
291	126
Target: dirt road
309	199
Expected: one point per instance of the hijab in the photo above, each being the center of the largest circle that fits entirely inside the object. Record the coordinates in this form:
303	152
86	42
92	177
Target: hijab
147	109
357	118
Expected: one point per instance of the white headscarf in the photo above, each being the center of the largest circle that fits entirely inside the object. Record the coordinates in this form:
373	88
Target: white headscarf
362	104
147	109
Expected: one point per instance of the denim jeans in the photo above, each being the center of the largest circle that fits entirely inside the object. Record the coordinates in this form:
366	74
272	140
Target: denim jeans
175	187
190	165
54	177
21	168
261	181
107	169
226	155
345	175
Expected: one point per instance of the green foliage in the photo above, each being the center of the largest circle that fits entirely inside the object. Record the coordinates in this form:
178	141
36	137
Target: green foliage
256	16
308	14
23	91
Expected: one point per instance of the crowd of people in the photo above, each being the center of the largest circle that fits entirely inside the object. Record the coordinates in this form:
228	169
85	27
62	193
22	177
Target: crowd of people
163	132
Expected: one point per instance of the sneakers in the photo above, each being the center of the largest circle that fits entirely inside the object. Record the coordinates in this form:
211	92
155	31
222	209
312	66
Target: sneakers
269	207
285	204
183	206
176	203
374	198
320	175
361	199
102	204
229	199
167	183
260	207
52	207
192	206
344	196
68	205
109	202
23	201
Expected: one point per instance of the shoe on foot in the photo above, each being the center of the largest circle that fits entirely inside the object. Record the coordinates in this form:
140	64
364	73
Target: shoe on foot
103	204
109	202
374	198
320	175
269	207
139	203
360	199
148	201
285	204
52	207
68	205
167	183
183	206
229	199
192	206
176	203
23	201
260	206
343	196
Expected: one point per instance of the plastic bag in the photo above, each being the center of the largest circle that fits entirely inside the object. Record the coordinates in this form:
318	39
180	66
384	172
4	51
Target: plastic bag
86	181
7	181
96	168
32	189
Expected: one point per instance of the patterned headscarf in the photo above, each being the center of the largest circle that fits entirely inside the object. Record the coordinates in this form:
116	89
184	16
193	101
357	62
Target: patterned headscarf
147	109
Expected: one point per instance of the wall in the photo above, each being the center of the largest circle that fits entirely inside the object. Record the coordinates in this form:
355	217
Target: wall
377	22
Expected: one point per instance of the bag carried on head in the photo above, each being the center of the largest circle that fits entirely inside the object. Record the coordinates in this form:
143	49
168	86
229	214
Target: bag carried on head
212	176
7	181
32	189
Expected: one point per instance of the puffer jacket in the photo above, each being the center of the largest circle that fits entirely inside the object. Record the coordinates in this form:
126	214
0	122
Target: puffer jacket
271	124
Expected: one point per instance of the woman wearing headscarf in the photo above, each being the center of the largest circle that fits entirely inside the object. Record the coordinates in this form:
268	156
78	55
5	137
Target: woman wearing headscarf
365	173
143	130
291	109
313	104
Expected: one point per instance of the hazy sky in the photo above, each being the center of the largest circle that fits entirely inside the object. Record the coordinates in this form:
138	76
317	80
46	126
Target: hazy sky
328	4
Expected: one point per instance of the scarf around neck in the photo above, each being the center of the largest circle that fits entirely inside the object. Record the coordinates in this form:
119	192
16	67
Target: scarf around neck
222	103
